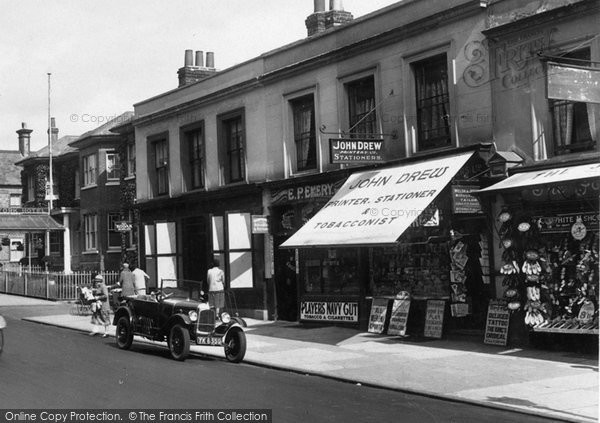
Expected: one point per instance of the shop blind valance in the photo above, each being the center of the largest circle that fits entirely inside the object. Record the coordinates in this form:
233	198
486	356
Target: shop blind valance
547	176
375	207
29	223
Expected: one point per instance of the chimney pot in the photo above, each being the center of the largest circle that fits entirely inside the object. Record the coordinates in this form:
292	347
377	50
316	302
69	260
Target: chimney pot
200	59
336	5
319	6
210	59
189	58
24	139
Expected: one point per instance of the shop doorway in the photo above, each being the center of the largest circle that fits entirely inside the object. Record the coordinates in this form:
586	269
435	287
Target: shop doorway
286	284
195	246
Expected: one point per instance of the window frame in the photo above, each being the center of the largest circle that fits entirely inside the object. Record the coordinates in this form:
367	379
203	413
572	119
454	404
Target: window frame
188	161
90	173
130	154
352	88
296	104
111	218
116	166
152	142
436	58
555	106
90	232
225	150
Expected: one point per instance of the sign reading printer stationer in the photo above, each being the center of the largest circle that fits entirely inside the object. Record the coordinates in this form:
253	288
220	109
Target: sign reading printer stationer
355	150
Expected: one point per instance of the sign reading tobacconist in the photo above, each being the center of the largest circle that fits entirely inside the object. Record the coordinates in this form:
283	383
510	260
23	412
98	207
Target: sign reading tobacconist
329	311
355	150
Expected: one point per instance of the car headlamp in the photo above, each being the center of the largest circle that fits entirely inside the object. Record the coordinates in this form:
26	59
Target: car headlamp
225	317
193	315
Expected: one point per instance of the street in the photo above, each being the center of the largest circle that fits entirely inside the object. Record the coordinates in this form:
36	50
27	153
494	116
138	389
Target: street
47	367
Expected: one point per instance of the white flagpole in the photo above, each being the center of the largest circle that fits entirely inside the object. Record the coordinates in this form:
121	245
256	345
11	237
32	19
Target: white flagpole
51	193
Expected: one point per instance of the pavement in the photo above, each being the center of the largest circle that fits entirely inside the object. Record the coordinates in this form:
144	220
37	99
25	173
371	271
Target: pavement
559	385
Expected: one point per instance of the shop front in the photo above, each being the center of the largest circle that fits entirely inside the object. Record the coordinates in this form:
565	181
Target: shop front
547	221
299	288
396	242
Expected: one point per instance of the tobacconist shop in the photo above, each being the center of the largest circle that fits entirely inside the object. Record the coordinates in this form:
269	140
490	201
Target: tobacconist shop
400	247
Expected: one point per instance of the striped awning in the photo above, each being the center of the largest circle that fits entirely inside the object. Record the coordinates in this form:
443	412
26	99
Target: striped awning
25	222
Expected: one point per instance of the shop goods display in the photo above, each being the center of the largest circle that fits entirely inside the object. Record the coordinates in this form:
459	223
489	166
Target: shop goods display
553	277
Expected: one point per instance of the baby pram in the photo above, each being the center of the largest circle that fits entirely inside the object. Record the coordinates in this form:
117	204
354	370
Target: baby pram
83	304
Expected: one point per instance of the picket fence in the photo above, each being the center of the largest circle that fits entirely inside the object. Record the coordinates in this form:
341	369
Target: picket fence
37	283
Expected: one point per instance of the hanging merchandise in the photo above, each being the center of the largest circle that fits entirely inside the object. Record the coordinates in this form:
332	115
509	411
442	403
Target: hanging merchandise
459	306
553	277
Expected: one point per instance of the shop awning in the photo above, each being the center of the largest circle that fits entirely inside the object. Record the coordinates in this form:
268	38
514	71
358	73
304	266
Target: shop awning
375	207
547	176
28	223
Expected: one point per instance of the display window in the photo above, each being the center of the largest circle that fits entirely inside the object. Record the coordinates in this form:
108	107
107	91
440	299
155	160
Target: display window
333	271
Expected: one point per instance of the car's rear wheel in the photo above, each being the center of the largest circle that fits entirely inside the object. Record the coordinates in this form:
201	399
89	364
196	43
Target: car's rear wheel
235	345
1	341
124	333
179	342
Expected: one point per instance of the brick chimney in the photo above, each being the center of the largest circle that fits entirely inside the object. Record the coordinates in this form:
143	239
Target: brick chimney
193	72
323	19
24	140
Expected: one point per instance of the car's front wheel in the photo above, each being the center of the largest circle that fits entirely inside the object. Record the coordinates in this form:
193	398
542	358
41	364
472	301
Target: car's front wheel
235	345
124	333
179	342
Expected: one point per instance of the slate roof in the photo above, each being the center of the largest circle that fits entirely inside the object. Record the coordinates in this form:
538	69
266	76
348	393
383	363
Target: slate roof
105	130
10	174
60	147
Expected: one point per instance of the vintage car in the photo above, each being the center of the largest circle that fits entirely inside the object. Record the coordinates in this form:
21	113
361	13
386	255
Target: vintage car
178	313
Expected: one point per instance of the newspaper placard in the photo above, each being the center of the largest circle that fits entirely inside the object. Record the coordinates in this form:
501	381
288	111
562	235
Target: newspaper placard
399	317
496	327
434	318
378	315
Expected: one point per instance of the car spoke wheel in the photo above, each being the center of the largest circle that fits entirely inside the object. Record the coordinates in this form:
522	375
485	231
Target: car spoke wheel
179	342
1	340
235	345
124	333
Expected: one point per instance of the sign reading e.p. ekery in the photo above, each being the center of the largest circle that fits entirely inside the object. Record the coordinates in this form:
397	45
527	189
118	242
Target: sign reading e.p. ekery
329	311
355	150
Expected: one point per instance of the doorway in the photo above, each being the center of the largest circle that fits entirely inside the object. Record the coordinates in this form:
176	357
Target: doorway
195	246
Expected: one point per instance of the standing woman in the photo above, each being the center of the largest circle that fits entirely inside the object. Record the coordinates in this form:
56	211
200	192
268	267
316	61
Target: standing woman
100	307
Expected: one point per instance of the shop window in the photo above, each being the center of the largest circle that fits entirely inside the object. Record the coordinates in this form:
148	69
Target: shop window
113	166
194	140
114	236
130	159
232	147
303	110
89	170
330	271
90	227
573	122
232	245
361	108
433	103
161	166
132	235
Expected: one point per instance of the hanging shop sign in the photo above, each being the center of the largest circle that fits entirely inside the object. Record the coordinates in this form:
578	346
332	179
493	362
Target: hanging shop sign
355	151
399	317
329	311
573	83
306	192
123	226
565	222
260	224
463	202
379	309
496	327
434	318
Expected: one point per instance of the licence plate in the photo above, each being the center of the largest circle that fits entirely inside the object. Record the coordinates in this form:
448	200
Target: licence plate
201	340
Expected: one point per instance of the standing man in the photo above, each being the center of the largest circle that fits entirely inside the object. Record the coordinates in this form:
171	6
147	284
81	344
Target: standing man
126	281
216	286
139	280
